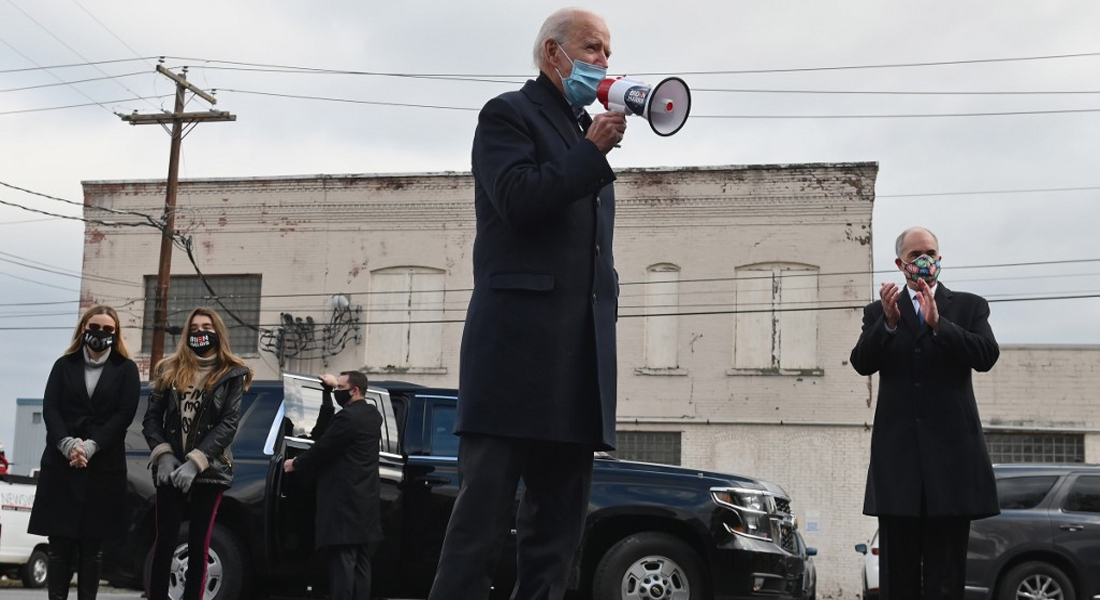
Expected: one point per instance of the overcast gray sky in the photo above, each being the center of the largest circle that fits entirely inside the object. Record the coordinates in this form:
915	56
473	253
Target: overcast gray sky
996	188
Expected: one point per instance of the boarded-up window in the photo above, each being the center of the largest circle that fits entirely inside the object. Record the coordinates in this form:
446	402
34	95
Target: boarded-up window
405	319
775	326
662	302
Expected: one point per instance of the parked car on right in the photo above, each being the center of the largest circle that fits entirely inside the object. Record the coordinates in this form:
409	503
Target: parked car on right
1046	541
1045	544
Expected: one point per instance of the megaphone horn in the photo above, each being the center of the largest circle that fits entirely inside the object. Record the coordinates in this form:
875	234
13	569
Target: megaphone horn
666	105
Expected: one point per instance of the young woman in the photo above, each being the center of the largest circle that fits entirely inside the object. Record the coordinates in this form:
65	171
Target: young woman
90	400
190	423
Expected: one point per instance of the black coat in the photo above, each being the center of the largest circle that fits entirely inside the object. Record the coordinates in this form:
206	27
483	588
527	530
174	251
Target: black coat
927	433
345	462
215	426
538	349
87	502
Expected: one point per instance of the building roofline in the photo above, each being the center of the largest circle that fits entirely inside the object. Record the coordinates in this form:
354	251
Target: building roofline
698	169
1050	346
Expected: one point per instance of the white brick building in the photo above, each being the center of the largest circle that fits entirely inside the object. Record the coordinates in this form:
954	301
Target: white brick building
741	298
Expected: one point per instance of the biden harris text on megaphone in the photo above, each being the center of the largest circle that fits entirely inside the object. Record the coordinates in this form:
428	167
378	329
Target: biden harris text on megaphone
666	105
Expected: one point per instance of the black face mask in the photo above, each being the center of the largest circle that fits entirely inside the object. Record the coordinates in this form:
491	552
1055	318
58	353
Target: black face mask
98	341
202	342
341	397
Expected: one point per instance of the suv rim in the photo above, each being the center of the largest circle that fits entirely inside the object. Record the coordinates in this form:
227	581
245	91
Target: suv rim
178	573
1039	587
655	578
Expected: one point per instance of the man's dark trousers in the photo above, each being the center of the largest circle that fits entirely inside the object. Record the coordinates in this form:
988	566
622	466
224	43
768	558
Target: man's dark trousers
557	477
349	571
938	544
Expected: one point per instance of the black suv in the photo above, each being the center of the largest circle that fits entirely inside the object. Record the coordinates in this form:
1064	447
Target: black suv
652	531
1045	544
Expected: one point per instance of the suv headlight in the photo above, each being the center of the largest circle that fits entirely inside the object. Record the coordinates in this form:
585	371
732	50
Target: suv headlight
755	510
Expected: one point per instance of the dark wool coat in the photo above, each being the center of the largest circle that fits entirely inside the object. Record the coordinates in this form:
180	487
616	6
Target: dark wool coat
86	502
927	436
345	461
538	349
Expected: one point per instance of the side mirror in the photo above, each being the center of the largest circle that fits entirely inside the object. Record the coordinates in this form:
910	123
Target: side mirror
811	551
861	548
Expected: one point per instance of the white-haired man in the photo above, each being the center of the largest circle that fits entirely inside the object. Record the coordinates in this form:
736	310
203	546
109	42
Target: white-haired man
929	474
537	372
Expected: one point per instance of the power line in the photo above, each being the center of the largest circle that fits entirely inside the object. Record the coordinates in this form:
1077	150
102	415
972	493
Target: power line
45	268
789	275
852	116
850	307
71	217
1011	113
942	63
52	74
656	73
897	92
113	34
344	100
975	193
38	67
61	83
73	50
84	105
36	282
148	219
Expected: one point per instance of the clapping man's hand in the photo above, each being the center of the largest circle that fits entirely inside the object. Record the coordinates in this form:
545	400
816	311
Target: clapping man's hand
889	294
928	307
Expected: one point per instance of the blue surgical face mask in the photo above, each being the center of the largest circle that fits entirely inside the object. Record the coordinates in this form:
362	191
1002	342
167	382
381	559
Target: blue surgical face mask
580	86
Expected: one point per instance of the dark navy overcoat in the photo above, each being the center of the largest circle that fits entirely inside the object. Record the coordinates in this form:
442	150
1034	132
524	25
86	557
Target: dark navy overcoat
927	440
538	348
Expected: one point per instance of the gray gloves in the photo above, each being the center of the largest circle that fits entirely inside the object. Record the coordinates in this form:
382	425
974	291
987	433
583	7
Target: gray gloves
183	476
167	463
66	445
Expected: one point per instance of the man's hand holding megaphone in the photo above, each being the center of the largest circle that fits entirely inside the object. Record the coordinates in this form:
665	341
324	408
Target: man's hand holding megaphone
607	130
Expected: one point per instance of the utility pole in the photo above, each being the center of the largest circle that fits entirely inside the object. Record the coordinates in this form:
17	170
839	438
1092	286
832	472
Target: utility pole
177	118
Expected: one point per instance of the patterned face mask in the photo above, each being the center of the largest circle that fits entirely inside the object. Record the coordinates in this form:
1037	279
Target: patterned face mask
923	267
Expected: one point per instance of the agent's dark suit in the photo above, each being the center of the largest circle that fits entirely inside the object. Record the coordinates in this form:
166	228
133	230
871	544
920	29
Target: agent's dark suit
537	379
929	462
345	460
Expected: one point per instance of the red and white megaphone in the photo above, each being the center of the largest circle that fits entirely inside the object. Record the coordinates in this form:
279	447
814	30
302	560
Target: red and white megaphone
665	105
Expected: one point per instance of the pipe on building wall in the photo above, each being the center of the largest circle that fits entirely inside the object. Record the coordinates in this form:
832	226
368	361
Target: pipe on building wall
985	426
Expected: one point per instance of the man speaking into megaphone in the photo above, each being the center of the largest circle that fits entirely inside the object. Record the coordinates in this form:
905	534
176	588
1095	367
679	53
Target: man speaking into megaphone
537	365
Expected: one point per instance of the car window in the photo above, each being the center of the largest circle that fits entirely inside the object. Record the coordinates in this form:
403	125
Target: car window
1084	496
1021	493
444	441
302	402
135	439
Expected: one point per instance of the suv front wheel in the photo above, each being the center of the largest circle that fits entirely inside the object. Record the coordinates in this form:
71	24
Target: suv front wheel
649	566
227	573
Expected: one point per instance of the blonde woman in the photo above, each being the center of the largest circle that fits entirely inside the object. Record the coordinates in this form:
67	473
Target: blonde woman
90	400
189	425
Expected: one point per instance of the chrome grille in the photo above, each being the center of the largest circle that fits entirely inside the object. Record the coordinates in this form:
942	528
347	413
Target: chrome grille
786	526
783	505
